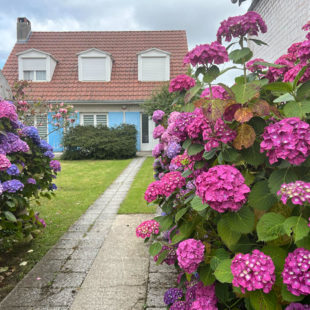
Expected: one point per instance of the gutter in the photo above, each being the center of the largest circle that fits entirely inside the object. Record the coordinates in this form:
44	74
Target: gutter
97	102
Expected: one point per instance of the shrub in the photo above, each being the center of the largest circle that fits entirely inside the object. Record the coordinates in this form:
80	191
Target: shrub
235	194
101	142
27	172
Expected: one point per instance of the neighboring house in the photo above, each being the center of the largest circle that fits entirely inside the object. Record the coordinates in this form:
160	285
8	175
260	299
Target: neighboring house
284	19
106	75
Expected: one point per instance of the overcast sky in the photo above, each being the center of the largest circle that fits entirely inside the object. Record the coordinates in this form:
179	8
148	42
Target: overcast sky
200	18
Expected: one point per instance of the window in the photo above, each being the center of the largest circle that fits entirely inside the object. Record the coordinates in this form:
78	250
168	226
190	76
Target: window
95	119
38	75
145	128
34	69
154	65
40	122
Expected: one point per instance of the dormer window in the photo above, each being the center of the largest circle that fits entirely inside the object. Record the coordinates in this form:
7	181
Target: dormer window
153	65
94	66
36	66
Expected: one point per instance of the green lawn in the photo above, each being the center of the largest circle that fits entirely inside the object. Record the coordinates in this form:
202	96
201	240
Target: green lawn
79	183
134	201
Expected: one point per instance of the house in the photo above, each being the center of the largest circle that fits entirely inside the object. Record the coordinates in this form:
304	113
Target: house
284	19
106	75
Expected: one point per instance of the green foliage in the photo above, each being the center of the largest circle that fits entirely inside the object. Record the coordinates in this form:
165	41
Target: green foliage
270	226
260	197
89	142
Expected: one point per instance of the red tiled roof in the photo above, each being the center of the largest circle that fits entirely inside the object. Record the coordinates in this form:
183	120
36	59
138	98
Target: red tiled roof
123	45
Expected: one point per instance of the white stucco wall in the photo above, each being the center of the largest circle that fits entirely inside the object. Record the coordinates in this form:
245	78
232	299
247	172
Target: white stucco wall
284	19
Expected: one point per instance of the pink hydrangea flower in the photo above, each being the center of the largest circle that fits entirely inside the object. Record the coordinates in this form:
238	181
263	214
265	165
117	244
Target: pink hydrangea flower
250	23
252	67
181	82
296	272
304	51
153	191
190	254
4	162
252	272
290	75
298	191
218	92
203	54
179	127
158	116
173	116
223	188
288	139
147	228
293	49
171	181
157	150
220	133
158	131
287	61
198	125
8	110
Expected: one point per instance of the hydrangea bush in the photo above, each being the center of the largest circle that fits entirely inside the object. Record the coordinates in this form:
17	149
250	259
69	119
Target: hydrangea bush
27	172
232	173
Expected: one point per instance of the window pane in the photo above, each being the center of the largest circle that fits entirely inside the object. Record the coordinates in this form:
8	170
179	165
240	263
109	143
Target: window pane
28	75
145	128
101	119
88	120
42	126
41	75
153	68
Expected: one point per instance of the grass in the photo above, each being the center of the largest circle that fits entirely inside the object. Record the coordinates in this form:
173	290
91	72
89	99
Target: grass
79	184
134	201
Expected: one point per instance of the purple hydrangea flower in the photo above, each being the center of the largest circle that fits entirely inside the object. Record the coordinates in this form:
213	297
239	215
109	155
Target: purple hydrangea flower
297	306
179	305
45	146
173	149
49	154
13	170
172	295
11	143
12	186
296	272
55	165
53	187
31	181
157	150
158	116
32	133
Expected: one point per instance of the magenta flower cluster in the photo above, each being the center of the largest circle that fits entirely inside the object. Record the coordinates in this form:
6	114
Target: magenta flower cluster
298	192
179	305
252	272
297	306
204	297
296	272
4	162
251	66
223	188
250	24
190	254
147	228
181	82
204	54
158	131
158	116
287	139
55	165
8	110
218	92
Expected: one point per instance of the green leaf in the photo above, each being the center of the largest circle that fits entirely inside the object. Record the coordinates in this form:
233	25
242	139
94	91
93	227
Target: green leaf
161	257
211	74
297	225
303	91
200	70
186	173
228	236
186	144
245	92
270	226
209	155
253	156
279	87
191	93
10	216
260	197
269	64
241	221
279	177
230	155
287	296
258	42
197	204
284	98
297	109
185	230
298	76
10	203
240	56
258	124
261	301
164	221
223	272
223	292
194	149
155	248
304	243
219	255
277	255
206	275
180	213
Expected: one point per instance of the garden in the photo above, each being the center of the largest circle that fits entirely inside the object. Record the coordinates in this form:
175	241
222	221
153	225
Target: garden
232	177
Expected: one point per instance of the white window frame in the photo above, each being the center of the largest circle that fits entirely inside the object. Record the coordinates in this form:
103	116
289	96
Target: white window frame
154	53
34	75
95	53
35	124
95	117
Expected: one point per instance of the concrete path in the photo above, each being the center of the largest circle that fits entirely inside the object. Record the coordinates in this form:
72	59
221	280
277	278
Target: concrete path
53	283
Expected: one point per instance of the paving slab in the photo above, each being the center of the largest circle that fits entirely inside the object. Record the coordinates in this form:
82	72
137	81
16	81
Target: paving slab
54	282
